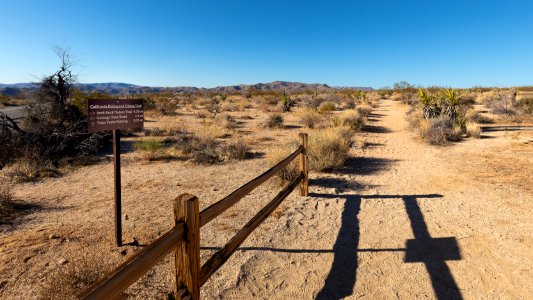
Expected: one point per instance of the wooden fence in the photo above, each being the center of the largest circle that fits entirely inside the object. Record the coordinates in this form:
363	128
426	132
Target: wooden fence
184	237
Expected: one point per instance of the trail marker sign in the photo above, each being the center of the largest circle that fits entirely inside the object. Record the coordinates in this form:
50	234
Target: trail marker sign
116	115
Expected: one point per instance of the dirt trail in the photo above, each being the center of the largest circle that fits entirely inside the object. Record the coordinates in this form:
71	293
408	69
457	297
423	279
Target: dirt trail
402	220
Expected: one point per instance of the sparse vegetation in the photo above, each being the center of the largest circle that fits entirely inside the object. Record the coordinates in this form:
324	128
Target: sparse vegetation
274	121
274	156
310	118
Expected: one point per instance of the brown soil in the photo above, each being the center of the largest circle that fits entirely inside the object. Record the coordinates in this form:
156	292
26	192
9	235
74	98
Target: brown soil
401	220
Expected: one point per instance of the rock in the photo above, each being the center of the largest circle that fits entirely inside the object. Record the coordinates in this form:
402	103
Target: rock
62	261
124	252
53	236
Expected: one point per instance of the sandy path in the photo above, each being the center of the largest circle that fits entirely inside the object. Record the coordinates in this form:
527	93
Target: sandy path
463	211
348	239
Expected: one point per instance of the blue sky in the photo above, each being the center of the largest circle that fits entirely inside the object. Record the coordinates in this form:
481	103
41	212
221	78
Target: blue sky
211	43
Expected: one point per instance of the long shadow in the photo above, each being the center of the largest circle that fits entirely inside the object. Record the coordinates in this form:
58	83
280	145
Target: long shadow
376	129
432	252
341	279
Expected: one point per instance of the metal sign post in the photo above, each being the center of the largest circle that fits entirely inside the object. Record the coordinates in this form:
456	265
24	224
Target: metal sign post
116	115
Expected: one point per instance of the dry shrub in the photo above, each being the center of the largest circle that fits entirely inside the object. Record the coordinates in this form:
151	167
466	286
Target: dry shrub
211	131
328	148
28	169
274	121
353	119
310	118
289	172
473	130
364	109
155	131
526	105
167	108
7	204
75	277
153	149
438	131
326	107
476	117
236	150
227	121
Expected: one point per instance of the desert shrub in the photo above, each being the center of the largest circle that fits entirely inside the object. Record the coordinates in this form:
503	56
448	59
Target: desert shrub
501	102
227	121
526	105
476	117
231	107
153	149
364	109
328	148
439	131
167	108
473	130
310	118
274	121
27	169
326	107
156	131
236	150
353	119
211	131
289	172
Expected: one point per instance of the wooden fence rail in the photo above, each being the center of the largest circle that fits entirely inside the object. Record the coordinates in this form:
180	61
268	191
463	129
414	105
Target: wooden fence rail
184	237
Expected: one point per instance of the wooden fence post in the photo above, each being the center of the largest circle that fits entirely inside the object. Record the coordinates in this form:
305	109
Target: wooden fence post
304	166
187	253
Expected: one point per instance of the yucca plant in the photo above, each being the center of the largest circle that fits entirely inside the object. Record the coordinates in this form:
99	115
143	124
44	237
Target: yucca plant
286	102
430	108
451	101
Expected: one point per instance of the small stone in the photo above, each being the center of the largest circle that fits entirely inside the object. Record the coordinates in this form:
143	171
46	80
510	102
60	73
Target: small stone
124	252
62	261
126	217
53	236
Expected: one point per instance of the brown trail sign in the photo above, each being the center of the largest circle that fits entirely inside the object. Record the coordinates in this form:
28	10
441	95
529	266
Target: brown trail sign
116	115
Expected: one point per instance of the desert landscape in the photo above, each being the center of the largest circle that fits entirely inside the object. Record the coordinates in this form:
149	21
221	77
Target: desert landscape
266	150
371	215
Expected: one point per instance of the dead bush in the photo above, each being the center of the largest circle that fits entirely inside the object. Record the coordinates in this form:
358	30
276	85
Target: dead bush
274	121
328	148
473	130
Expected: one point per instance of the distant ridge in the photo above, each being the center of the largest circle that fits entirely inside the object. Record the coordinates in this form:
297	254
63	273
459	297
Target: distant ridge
118	88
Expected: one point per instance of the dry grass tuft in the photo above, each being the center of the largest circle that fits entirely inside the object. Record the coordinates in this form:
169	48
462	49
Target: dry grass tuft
274	156
326	107
473	130
353	119
328	148
310	118
236	150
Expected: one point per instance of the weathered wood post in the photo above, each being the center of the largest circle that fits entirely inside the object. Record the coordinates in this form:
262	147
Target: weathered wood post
304	166
187	253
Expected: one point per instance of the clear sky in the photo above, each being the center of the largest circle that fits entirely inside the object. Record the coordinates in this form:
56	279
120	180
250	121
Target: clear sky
210	43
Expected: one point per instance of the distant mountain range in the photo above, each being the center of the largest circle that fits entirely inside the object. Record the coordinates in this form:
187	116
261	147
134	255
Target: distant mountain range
114	88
